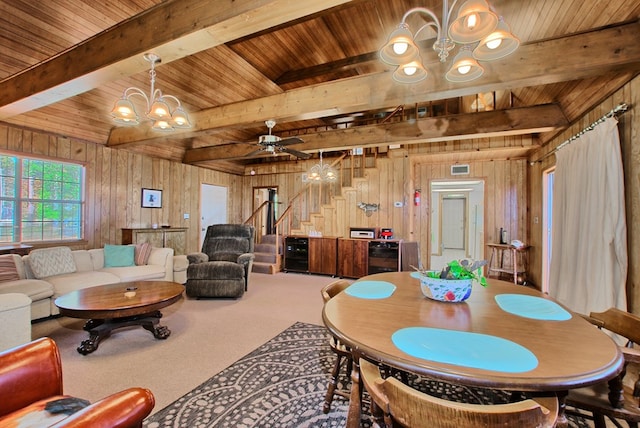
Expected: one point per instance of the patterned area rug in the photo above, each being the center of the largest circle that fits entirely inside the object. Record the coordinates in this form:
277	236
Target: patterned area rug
282	384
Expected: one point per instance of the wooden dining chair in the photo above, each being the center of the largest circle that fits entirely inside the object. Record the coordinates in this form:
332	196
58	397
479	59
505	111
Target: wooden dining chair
596	400
343	353
394	404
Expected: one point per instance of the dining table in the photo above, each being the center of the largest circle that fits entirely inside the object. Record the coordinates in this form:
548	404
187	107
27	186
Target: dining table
504	336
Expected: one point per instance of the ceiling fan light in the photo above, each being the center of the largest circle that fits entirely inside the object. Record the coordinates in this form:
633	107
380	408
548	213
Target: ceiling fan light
400	47
500	43
474	22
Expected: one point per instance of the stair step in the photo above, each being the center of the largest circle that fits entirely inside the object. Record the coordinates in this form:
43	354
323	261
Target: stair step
264	248
259	267
267	268
264	257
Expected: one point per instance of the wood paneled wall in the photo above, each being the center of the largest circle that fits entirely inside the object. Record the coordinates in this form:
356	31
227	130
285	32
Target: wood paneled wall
114	179
629	129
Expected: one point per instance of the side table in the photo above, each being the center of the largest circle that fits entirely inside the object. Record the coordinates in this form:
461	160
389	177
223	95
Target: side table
508	260
21	249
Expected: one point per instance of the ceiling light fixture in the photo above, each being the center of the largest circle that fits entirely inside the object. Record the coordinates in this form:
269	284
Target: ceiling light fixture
157	109
322	172
475	24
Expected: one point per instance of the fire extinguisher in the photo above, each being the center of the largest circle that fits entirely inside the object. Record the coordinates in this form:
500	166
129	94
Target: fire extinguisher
416	198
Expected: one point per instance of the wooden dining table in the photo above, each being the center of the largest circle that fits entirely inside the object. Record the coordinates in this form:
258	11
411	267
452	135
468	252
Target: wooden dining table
504	336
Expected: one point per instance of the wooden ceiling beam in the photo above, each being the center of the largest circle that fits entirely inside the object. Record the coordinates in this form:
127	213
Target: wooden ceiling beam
556	60
329	67
172	29
517	121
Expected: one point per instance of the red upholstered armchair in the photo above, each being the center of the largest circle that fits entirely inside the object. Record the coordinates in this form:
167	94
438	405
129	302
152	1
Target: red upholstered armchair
31	390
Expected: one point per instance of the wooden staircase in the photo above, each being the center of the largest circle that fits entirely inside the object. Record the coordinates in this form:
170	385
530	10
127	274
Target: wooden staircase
268	255
316	208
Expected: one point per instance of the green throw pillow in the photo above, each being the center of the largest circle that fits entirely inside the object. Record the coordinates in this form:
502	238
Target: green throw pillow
118	255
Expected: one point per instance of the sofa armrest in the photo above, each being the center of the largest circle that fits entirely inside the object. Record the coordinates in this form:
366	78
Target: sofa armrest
195	258
162	257
121	410
36	364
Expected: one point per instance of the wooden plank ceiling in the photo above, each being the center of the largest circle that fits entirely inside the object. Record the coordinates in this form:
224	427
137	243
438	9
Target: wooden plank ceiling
310	65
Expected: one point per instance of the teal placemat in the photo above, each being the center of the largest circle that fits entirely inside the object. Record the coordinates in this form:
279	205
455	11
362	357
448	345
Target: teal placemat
371	289
415	275
532	307
466	349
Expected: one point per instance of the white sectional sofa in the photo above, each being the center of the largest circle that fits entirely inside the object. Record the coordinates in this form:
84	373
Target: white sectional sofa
86	268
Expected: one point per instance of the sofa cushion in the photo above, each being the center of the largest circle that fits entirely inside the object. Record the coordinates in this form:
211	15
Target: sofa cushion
35	289
119	255
142	253
8	269
137	273
46	262
67	283
83	260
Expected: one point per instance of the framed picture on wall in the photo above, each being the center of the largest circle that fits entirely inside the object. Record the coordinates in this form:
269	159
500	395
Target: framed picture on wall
151	198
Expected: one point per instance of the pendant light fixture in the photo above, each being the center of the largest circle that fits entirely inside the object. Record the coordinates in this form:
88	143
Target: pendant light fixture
475	23
322	172
157	105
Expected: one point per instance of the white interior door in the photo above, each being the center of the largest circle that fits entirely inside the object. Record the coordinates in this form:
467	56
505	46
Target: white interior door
213	207
453	223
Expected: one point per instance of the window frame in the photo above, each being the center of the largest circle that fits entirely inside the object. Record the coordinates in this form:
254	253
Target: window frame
18	199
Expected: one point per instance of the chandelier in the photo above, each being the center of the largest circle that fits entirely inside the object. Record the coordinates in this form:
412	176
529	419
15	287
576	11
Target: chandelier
322	172
157	108
483	35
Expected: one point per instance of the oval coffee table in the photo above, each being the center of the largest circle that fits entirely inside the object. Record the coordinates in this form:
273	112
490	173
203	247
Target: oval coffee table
112	306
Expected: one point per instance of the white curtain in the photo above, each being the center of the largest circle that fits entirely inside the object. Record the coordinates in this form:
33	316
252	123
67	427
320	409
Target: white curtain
588	268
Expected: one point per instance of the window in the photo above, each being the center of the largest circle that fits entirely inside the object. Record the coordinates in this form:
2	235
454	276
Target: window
40	200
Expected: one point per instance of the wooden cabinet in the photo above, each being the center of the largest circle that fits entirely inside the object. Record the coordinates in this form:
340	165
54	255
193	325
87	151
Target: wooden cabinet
175	238
353	255
322	255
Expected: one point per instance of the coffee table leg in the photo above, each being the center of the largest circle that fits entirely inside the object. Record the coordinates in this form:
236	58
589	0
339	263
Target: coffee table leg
101	329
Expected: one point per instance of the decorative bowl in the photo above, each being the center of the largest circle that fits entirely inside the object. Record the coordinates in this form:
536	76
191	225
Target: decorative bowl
445	290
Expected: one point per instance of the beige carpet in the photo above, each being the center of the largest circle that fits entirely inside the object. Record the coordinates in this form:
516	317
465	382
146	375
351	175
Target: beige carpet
207	336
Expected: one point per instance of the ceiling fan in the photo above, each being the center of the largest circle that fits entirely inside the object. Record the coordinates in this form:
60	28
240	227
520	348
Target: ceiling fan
273	144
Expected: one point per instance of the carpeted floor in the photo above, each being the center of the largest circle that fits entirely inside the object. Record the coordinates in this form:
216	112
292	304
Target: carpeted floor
282	384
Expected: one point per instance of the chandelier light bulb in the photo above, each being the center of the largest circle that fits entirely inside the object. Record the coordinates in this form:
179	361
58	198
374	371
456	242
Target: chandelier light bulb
410	70
472	21
464	69
400	47
494	44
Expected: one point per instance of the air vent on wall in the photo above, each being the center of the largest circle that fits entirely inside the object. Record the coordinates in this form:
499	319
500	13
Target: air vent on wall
459	169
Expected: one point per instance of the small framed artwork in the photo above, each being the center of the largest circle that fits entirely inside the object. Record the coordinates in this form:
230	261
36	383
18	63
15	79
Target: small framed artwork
151	198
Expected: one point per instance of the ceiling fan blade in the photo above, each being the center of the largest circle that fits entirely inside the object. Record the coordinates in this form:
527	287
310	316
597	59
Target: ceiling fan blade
296	153
289	141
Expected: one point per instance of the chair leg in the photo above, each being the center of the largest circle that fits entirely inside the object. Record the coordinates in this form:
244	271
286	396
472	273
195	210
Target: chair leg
333	384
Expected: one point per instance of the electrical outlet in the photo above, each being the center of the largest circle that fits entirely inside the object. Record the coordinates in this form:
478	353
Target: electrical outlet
186	216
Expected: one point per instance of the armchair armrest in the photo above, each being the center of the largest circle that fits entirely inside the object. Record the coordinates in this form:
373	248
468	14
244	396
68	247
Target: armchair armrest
36	364
121	410
631	355
245	258
195	258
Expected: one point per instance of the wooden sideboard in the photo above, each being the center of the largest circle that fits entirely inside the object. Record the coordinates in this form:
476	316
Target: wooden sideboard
172	237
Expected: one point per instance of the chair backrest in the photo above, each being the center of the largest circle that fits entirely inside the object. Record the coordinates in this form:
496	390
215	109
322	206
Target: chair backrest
619	322
330	290
228	239
406	407
32	369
